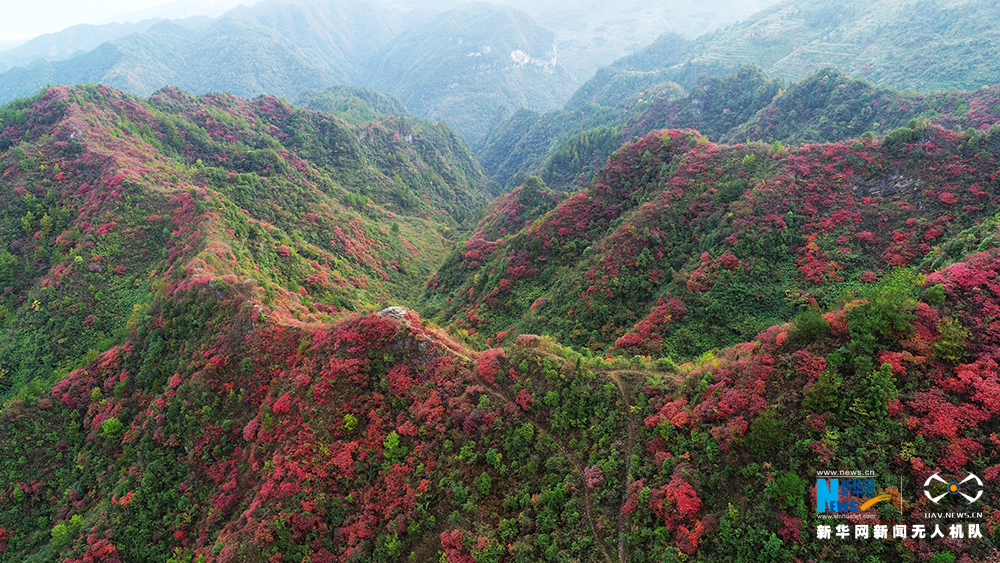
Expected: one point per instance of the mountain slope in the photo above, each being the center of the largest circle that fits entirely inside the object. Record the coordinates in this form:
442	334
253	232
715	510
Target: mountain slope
353	104
197	278
474	65
677	232
99	189
568	147
66	43
892	46
522	142
343	35
823	107
935	45
377	438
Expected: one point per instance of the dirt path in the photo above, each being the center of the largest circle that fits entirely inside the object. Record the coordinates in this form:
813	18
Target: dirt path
588	500
616	377
622	517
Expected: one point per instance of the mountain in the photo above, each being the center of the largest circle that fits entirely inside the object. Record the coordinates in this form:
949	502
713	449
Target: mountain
589	34
823	107
343	35
676	232
593	34
567	148
521	143
182	9
931	45
69	42
199	277
474	66
678	82
353	104
288	48
243	52
99	189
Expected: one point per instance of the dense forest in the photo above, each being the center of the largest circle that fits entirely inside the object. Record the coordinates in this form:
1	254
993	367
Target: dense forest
205	359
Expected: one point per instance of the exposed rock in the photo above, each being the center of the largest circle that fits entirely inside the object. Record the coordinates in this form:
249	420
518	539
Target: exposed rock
393	312
891	185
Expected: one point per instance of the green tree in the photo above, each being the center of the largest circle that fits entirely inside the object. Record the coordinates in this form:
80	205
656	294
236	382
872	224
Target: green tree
762	436
7	264
824	395
394	451
880	390
950	345
350	422
46	224
112	429
28	222
483	483
886	314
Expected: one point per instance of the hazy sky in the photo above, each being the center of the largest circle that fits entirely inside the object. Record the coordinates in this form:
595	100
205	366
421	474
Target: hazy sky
24	19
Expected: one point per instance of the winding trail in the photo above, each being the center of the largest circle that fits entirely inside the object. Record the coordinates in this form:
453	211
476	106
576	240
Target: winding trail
588	499
622	517
616	377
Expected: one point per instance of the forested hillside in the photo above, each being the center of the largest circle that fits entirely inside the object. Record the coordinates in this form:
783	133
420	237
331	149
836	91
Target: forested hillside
195	371
933	45
567	148
98	187
677	232
640	328
473	66
886	48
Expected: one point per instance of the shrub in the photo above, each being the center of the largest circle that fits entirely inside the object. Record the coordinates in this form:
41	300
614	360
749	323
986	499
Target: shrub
824	395
810	326
950	345
886	314
112	429
762	438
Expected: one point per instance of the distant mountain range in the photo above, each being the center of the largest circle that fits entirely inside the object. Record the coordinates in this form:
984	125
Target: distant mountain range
931	45
69	42
286	48
470	64
774	77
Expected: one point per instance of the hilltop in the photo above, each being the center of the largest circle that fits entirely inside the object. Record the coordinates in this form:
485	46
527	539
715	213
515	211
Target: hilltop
677	232
566	148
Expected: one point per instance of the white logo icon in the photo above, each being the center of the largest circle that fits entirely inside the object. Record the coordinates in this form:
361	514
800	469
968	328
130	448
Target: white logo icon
953	488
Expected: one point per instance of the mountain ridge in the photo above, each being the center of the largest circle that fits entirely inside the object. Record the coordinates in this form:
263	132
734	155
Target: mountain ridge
268	398
287	48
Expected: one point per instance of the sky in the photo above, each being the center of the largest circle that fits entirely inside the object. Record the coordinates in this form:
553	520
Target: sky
23	20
